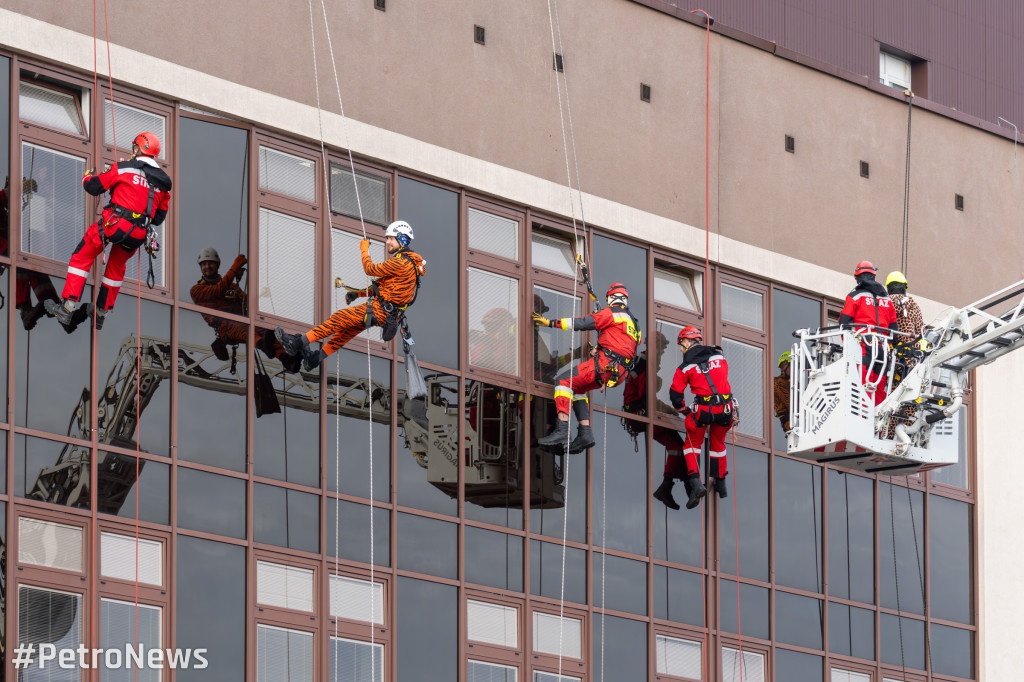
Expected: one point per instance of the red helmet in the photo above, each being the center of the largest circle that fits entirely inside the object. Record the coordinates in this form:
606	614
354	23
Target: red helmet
865	267
689	333
497	316
617	289
149	144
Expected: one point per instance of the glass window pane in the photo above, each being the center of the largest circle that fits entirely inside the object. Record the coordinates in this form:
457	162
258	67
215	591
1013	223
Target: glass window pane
673	596
956	474
746	376
851	631
497	559
539	676
677	535
737	666
952	651
851	533
624	588
789	313
48	617
210	607
348	431
5	150
355	599
287	174
493	455
374	194
494	234
798	620
211	503
348	528
896	517
427	546
677	289
51	108
668	358
50	544
546	572
903	641
53	472
493	321
554	351
848	676
618	521
753	609
491	672
427	477
213	196
347	265
742	306
679	657
353	661
287	266
622	644
283	655
53	211
434	319
557	474
3	461
750	488
211	395
492	623
797	499
119	488
951	552
124	623
552	253
286	434
427	634
794	666
128	122
286	518
558	635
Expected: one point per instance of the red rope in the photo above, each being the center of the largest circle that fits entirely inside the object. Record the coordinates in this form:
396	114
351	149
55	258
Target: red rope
93	473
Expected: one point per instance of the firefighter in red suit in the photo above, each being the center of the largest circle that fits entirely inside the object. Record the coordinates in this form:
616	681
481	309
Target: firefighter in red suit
140	193
618	335
706	372
869	304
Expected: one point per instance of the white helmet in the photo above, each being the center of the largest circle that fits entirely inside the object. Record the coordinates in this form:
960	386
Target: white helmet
400	230
209	253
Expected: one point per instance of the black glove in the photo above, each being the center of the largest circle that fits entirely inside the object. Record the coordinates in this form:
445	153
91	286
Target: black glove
350	297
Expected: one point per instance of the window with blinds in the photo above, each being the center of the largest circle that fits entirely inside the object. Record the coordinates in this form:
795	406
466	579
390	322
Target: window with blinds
494	234
748	668
128	122
351	598
746	376
283	655
355	661
48	617
493	623
53	205
679	657
287	587
50	107
493	321
491	672
849	676
120	554
119	622
549	629
742	307
347	265
287	174
54	545
374	194
287	266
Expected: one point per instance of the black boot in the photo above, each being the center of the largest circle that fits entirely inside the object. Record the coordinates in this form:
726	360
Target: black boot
696	490
294	344
30	314
69	317
220	350
311	358
291	363
584	439
98	315
720	488
558	435
664	494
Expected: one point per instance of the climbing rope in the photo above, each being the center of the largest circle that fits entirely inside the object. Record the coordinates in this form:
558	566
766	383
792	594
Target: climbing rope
904	262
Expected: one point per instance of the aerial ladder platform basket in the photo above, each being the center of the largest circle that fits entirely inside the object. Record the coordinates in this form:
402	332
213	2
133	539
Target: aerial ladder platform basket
834	418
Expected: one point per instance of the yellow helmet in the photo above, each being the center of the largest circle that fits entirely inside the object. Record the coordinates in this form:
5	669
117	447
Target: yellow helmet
785	357
896	276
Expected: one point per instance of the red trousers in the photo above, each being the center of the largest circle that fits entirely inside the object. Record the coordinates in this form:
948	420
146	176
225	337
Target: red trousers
34	282
680	461
343	326
84	256
867	375
695	440
571	392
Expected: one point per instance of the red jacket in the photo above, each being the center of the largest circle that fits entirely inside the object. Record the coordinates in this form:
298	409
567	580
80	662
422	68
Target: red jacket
689	374
616	329
870	304
129	183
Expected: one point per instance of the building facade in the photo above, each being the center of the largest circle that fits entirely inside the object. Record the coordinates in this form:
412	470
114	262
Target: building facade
165	481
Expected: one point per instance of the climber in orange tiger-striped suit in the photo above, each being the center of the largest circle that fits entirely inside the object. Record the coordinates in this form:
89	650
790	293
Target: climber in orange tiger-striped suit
393	291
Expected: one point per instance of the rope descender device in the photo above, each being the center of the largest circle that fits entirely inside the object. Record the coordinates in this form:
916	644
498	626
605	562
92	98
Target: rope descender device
585	272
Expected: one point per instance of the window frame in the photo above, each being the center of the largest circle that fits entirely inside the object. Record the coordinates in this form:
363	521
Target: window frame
549	662
752	337
684	633
66	83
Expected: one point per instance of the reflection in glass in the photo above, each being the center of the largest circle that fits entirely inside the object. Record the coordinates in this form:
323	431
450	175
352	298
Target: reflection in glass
753	609
48	617
677	596
851	533
286	440
127	485
552	474
950	550
619	500
51	374
3	575
5	153
622	581
286	518
851	631
750	487
428	546
53	472
212	192
211	396
546	572
952	651
794	666
3	462
210	607
902	641
789	313
427	633
211	503
24	307
797	524
348	429
668	357
52	202
677	535
623	644
434	320
348	528
287	260
494	559
896	517
798	620
493	457
493	321
428	445
552	253
119	421
554	351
